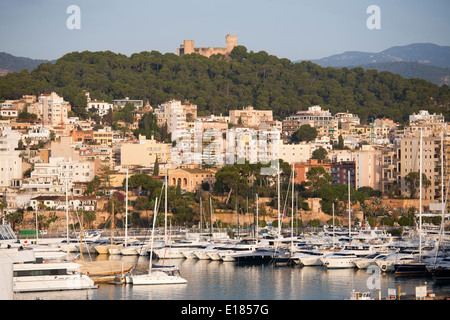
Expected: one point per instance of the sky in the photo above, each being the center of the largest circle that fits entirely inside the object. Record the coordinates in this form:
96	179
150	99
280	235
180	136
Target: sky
293	29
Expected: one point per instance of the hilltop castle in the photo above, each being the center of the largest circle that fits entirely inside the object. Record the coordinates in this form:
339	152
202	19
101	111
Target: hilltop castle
188	47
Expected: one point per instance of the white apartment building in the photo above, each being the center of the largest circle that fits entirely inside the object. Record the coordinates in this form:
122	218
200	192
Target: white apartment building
51	178
51	109
101	107
252	145
347	117
10	160
322	120
425	117
175	114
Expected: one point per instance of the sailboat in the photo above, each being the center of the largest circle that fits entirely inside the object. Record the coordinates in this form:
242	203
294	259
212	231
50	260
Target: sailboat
420	267
156	274
285	258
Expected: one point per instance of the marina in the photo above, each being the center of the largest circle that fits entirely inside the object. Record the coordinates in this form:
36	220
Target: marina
263	268
216	280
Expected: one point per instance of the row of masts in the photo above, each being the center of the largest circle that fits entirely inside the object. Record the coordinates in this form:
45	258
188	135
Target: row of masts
278	203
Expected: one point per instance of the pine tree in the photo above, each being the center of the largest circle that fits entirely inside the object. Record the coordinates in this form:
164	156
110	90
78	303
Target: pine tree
156	167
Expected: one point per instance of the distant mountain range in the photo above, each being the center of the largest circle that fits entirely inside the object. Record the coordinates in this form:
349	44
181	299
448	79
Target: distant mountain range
419	60
10	63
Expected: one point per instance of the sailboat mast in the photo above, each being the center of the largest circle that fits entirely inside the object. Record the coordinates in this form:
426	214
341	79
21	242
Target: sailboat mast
112	228
442	177
36	221
165	209
420	200
257	221
279	208
292	213
126	210
201	218
211	214
153	230
349	210
333	225
67	222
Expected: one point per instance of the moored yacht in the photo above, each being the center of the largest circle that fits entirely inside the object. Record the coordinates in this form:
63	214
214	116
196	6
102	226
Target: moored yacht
308	257
440	270
245	246
135	249
262	255
33	277
387	264
175	250
365	262
340	259
158	275
346	257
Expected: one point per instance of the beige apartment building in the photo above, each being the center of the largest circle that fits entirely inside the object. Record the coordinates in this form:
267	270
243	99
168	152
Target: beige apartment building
409	161
143	152
249	117
51	109
368	168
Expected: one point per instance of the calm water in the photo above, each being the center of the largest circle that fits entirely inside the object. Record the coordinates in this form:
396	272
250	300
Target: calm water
216	280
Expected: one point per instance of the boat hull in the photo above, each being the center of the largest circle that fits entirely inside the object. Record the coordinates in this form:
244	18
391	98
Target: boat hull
53	283
155	278
265	258
408	269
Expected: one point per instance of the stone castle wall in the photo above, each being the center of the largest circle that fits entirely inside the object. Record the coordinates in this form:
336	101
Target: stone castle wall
188	47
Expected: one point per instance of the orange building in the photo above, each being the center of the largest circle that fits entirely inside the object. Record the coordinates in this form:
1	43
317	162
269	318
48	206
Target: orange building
302	168
82	136
190	180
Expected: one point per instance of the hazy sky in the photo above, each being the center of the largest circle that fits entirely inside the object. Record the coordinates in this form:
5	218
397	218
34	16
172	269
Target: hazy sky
293	29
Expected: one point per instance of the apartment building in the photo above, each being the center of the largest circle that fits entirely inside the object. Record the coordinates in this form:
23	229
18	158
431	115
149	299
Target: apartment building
322	120
368	167
10	160
51	109
409	161
143	152
250	117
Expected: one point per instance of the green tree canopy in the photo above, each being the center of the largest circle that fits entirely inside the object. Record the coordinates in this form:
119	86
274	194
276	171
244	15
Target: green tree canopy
304	133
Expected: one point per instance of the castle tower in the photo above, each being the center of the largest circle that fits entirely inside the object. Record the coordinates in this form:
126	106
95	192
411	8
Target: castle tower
231	42
186	48
189	46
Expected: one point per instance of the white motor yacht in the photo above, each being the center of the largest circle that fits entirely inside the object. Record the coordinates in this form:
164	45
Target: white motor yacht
175	250
227	253
308	257
388	263
202	254
371	259
346	257
135	249
32	277
340	259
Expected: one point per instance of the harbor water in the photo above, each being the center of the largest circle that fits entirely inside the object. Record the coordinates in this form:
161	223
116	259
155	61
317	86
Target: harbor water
217	280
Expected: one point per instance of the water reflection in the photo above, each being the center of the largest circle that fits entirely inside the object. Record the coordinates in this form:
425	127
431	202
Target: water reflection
216	280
